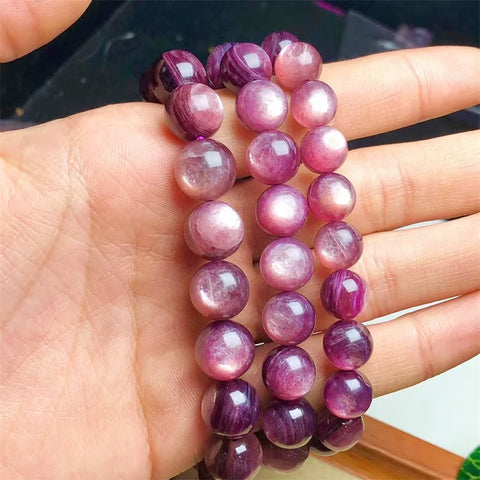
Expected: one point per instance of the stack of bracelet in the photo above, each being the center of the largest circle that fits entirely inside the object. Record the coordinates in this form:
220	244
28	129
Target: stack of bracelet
219	289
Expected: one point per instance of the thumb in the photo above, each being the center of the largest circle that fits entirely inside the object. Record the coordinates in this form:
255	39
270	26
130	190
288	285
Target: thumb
28	24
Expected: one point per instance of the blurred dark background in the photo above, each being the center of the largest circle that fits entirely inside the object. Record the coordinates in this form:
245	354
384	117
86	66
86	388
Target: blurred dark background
100	58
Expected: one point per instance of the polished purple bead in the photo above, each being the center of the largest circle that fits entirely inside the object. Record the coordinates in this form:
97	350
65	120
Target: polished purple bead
286	264
348	344
261	105
219	290
281	211
347	393
273	43
320	449
214	230
335	433
283	460
344	294
214	61
242	63
233	458
288	372
289	424
273	157
147	87
338	245
288	318
313	104
224	350
297	63
205	170
175	68
331	197
194	110
230	408
323	149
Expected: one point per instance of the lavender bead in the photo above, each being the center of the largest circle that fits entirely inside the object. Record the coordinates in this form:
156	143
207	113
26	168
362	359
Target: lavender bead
205	170
338	245
194	110
273	43
242	63
214	61
147	87
214	230
286	264
288	318
337	434
288	372
261	105
343	294
296	63
230	408
281	211
324	149
175	68
273	157
224	350
219	290
331	197
313	104
233	458
289	424
348	344
347	394
282	459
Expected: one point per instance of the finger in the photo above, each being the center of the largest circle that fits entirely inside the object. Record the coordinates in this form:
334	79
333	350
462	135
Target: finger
28	24
406	268
396	185
407	351
380	93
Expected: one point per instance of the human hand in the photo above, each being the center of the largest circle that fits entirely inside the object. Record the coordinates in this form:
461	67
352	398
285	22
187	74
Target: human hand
97	373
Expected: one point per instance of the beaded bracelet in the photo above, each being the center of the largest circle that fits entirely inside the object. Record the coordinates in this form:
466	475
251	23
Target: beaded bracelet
219	290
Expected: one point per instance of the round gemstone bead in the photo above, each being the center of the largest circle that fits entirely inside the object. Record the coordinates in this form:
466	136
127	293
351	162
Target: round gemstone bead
175	68
147	87
288	318
214	230
261	105
219	290
338	245
281	211
286	264
205	170
323	149
233	458
313	103
338	434
214	61
273	43
224	350
331	197
273	157
282	459
288	372
348	344
231	408
289	424
343	294
194	110
296	63
347	393
242	63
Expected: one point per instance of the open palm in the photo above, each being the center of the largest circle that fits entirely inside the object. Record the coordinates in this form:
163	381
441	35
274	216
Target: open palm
97	374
